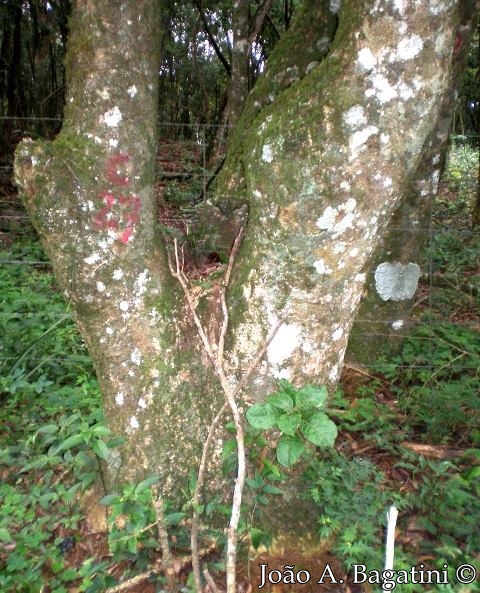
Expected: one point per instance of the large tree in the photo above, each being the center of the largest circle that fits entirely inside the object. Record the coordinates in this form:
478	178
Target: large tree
319	161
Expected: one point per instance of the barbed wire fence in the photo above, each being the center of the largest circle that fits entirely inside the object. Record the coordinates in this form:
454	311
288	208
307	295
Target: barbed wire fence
186	164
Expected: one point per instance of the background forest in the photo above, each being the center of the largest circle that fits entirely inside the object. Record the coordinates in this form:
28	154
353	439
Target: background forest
408	422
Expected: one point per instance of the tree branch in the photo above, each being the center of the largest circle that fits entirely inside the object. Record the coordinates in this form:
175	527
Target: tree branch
262	12
212	39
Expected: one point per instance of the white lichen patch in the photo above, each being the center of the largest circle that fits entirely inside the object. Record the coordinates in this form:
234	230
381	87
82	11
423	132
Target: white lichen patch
132	91
100	286
321	267
112	117
382	89
142	403
365	59
338	220
355	117
92	259
358	139
438	6
282	374
134	422
141	282
286	341
354	252
409	47
397	324
333	374
327	220
399	5
120	398
396	281
136	356
267	153
109	331
359	278
113	142
339	247
335	6
124	306
337	334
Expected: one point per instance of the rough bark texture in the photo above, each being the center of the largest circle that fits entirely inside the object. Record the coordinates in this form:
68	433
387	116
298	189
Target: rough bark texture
238	87
323	169
382	319
322	164
90	196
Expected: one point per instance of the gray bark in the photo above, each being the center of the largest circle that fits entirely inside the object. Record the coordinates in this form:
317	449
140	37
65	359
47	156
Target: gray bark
322	167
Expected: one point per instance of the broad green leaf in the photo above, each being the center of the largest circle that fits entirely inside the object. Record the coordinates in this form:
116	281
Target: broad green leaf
288	423
100	431
312	396
281	400
269	489
261	416
146	484
5	535
251	483
256	537
48	429
271	467
116	442
174	518
287	387
229	447
320	430
109	499
101	450
68	443
289	449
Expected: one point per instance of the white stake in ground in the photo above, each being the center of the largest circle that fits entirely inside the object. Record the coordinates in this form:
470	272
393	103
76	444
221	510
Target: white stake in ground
392	515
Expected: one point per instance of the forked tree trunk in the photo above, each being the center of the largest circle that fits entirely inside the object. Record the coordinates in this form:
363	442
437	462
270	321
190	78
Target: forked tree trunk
322	168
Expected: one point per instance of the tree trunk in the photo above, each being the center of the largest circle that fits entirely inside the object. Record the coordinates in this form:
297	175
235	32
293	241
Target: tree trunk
382	323
90	196
322	167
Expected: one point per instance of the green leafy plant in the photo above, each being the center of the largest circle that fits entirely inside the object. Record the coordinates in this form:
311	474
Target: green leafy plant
298	415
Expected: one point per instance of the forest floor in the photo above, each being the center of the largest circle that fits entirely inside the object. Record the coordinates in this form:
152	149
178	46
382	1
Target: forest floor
409	426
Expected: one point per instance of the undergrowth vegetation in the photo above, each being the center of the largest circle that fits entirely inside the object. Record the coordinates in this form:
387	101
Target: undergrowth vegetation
409	435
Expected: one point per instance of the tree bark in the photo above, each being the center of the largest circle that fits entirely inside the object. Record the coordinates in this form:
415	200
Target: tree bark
321	164
322	169
90	196
382	321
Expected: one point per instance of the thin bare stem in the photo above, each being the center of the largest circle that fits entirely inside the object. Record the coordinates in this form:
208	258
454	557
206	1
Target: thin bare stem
196	498
223	296
210	582
230	392
180	276
167	558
